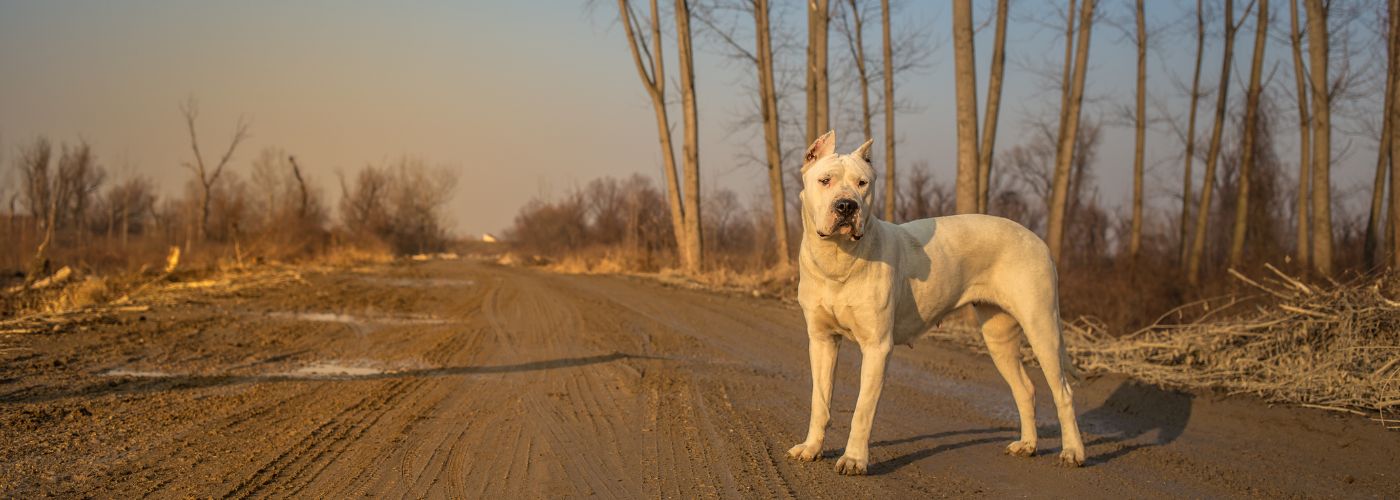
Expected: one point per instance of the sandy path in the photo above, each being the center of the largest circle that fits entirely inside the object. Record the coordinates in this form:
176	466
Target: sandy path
457	379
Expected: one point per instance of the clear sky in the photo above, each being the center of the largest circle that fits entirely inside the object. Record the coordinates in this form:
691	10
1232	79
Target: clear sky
519	97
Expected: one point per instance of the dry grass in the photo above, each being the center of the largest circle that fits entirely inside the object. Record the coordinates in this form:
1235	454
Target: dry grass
87	289
767	283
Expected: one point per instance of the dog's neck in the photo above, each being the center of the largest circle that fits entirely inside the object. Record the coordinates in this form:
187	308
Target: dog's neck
834	259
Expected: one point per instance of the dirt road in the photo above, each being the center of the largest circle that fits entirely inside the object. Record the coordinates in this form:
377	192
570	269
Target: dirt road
469	380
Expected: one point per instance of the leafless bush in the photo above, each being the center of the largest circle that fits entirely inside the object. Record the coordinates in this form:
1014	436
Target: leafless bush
288	216
622	220
399	204
60	197
126	208
923	196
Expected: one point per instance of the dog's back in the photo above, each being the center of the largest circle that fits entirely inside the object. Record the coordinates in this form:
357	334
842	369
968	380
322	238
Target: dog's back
984	248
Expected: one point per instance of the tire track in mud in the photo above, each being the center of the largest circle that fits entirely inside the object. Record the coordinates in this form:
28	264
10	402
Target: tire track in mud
311	460
564	412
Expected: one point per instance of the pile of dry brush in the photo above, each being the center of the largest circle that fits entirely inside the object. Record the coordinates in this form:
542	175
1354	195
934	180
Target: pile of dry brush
1333	347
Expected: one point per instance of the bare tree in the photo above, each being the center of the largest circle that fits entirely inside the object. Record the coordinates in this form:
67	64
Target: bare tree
1139	134
1392	110
965	76
1184	243
1068	66
364	204
769	98
1251	116
1373	243
855	42
693	241
208	177
989	126
1067	140
128	205
924	196
37	191
890	192
1322	138
400	204
304	201
654	79
762	58
818	101
1304	201
1198	243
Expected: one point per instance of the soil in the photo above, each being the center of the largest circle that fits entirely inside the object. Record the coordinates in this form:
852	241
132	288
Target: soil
467	379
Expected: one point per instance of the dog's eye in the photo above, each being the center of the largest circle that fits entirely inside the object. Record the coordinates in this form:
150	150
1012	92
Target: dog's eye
825	181
863	182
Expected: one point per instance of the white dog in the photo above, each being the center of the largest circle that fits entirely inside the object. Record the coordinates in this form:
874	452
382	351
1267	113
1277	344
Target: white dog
879	284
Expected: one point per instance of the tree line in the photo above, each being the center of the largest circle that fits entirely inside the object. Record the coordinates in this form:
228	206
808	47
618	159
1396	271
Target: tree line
1234	206
66	206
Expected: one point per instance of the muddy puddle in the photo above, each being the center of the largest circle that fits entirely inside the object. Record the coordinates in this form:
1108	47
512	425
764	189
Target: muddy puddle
312	370
418	282
368	319
125	372
335	369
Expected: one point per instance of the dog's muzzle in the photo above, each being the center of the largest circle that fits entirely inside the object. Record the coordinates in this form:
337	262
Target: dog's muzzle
845	214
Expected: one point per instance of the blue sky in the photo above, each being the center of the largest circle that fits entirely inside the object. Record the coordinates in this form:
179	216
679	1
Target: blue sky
520	98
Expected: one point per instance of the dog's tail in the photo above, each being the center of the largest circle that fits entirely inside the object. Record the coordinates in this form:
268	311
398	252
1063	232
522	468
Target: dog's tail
1067	366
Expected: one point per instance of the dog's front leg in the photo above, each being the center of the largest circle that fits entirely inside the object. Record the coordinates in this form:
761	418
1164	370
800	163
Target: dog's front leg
822	347
874	355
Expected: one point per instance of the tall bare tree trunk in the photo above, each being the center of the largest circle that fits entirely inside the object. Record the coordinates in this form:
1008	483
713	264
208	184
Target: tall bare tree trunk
857	46
989	126
1383	159
654	79
1222	94
1139	135
890	191
1065	72
1393	66
1304	199
1322	139
693	240
1069	134
818	103
768	97
1251	119
811	72
966	82
1184	243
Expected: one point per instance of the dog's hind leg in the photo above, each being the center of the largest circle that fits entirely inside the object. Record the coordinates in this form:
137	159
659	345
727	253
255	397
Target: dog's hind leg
1043	332
999	330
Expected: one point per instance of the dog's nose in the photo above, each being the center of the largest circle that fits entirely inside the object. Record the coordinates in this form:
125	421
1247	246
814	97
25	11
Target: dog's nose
846	207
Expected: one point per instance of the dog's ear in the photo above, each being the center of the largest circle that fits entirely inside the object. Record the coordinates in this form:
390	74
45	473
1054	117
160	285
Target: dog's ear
823	147
863	152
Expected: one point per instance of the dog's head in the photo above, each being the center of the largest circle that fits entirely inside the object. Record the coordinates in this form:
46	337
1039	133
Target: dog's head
837	190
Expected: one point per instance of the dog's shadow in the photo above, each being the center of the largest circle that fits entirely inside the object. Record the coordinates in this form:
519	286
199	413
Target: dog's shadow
1130	413
1121	424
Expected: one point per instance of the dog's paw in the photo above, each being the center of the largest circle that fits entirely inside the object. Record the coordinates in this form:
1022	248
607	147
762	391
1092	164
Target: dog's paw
805	452
1072	457
851	466
1020	449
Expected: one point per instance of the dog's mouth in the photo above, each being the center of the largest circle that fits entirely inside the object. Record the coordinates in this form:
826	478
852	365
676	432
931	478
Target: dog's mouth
843	226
